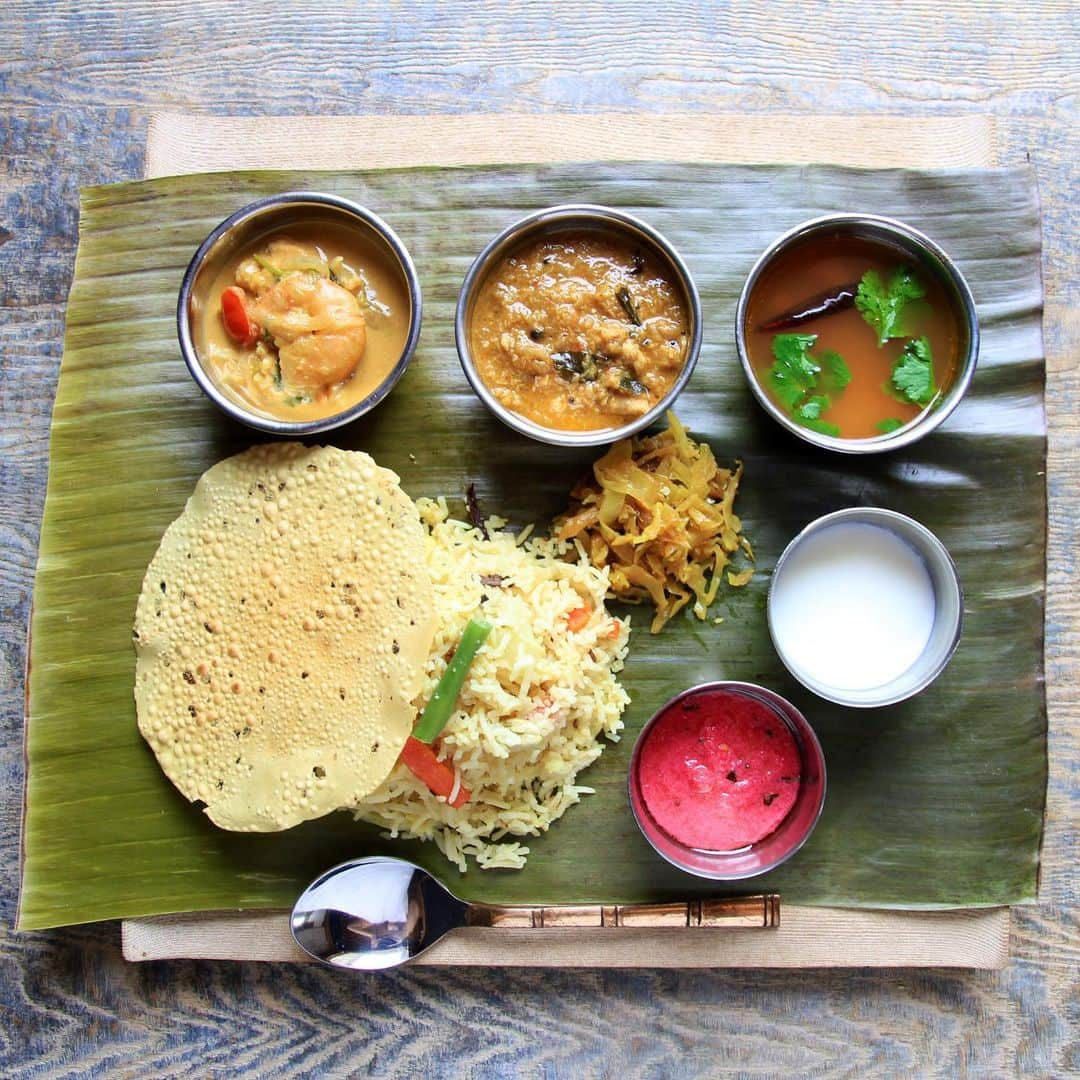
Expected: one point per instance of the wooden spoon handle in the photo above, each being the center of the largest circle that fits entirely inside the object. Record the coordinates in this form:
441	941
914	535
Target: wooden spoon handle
743	911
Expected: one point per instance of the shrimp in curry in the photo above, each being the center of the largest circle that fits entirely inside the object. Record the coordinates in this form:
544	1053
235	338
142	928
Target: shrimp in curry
303	327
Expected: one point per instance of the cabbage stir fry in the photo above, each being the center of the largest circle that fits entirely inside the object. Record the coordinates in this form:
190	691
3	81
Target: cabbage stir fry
659	513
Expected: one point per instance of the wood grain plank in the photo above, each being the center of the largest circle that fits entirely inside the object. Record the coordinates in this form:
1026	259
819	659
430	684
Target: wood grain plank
759	56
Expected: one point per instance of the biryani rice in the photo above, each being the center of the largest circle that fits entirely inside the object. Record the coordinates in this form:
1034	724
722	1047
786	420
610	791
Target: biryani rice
537	698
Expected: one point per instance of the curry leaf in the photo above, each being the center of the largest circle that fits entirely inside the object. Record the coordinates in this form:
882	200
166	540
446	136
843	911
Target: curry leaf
582	365
627	304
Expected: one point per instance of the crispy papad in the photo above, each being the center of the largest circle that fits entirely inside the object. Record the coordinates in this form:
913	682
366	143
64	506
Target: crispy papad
281	633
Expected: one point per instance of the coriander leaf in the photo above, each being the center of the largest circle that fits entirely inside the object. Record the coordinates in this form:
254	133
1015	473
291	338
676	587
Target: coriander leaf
822	427
913	373
886	307
837	373
788	394
891	424
795	371
792	351
809	415
812	408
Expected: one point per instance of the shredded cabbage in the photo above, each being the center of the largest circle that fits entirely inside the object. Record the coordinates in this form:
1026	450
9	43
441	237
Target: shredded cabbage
660	514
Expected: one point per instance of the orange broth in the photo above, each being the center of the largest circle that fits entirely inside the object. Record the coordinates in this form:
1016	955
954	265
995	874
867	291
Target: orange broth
802	274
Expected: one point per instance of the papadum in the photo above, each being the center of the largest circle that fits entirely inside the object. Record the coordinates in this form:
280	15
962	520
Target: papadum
281	634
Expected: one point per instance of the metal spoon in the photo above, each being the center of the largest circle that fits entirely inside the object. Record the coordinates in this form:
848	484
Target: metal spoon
378	912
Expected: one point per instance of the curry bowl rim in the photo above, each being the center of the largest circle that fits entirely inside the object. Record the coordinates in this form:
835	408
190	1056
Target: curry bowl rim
564	217
247	217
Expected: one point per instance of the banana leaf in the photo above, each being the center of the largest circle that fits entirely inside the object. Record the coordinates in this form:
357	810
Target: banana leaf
937	802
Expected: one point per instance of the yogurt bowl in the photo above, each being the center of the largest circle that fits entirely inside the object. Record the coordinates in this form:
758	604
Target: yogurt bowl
865	607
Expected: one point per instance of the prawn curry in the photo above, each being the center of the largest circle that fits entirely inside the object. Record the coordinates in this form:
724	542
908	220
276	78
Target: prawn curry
304	325
579	331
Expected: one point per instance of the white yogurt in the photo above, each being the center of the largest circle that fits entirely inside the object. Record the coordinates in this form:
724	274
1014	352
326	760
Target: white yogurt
852	607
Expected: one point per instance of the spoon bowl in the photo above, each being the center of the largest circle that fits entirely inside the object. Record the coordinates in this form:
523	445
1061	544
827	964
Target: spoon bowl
373	913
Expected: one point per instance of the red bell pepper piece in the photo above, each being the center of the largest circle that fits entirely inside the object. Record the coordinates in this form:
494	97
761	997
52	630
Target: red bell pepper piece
421	761
239	325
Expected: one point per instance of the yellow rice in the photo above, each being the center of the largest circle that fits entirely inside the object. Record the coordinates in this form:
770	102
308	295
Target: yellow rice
536	700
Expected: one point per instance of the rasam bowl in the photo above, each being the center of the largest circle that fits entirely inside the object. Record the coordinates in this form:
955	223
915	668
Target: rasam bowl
910	246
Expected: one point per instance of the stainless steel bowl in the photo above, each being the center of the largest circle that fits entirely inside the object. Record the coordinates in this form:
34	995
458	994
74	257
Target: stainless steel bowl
244	229
923	252
948	608
551	222
769	852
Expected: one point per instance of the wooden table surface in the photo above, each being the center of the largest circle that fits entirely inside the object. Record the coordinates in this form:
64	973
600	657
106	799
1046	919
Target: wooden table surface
77	84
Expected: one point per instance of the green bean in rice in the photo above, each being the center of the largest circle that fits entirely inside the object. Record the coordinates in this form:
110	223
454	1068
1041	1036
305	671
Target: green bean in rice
536	701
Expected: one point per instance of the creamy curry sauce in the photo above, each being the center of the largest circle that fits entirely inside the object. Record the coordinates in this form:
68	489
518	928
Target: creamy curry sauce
328	321
579	331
